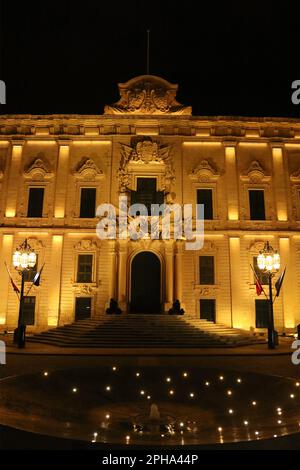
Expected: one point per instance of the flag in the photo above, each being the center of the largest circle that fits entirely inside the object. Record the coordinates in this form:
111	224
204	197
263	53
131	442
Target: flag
37	277
258	286
14	285
279	282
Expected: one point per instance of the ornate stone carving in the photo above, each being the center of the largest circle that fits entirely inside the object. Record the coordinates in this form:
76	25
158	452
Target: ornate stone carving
256	246
145	151
295	176
35	244
86	245
255	173
85	289
38	171
88	171
204	172
147	94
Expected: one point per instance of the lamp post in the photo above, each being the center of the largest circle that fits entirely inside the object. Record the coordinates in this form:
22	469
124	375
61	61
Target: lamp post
268	261
24	258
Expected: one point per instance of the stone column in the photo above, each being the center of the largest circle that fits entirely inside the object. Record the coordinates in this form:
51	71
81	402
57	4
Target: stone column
279	184
61	181
289	288
55	280
231	182
112	270
238	319
13	179
169	258
178	271
6	251
122	277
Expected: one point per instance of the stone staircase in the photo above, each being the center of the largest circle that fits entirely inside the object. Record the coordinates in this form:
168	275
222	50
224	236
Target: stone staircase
146	331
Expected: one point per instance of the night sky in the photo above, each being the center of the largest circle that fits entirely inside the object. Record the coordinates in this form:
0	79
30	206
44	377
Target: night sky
229	58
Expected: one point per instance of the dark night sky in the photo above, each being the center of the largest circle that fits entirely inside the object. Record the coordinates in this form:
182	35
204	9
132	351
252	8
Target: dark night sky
229	58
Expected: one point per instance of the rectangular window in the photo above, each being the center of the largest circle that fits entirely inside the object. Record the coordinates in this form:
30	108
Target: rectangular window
85	268
146	193
257	204
208	309
205	196
263	278
30	273
29	310
262	313
35	202
83	308
88	203
207	269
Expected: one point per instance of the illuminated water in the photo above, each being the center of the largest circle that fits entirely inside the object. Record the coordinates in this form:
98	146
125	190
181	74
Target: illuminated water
189	407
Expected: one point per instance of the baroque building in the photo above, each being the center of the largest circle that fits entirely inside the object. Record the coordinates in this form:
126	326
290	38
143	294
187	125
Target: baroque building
56	170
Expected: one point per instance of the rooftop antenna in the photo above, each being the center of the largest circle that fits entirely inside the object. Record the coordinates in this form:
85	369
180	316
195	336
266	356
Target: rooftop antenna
148	51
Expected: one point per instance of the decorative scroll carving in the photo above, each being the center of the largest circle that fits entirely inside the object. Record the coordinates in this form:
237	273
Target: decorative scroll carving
255	173
38	171
88	171
147	94
257	246
295	177
35	244
145	151
204	172
85	289
86	245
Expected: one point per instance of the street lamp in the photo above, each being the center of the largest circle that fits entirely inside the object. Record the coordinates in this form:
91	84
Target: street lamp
24	258
268	261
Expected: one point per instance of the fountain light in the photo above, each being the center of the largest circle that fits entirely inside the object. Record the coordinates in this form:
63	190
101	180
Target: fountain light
127	438
95	434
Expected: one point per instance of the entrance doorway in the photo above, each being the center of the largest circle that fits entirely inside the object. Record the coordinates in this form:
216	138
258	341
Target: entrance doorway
145	283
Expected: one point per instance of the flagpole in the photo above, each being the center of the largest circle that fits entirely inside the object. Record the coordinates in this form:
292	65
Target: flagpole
256	277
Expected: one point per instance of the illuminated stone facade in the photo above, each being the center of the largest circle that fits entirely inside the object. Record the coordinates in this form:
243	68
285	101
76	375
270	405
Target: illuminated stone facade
149	134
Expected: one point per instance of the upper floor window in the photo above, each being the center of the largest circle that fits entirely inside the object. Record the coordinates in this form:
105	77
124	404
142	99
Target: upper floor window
207	269
257	204
35	202
205	197
85	268
87	203
146	193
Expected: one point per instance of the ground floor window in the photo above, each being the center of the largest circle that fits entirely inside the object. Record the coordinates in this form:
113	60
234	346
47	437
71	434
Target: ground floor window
83	308
262	313
208	309
29	310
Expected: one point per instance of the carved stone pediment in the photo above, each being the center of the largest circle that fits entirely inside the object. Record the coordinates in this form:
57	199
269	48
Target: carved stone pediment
88	170
255	173
145	151
147	94
38	171
295	176
86	245
204	172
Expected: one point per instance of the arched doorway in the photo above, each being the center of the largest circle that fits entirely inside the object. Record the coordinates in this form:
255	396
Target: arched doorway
145	283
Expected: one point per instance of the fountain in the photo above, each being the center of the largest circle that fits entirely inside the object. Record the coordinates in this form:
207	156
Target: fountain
154	423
